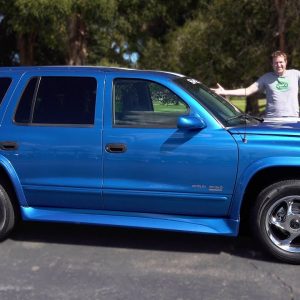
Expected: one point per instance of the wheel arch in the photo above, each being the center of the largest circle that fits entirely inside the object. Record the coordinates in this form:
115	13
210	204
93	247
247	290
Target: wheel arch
10	180
260	180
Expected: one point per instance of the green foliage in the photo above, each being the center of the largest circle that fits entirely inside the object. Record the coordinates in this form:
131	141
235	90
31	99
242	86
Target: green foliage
44	24
161	95
224	41
240	103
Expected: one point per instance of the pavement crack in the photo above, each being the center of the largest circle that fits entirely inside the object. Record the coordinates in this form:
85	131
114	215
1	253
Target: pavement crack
277	277
290	288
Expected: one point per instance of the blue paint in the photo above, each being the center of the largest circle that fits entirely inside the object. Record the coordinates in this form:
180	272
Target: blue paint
191	177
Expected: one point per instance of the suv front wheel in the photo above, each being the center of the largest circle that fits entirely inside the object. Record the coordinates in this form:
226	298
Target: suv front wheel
276	217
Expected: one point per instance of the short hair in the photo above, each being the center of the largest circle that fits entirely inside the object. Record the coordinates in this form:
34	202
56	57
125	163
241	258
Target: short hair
279	53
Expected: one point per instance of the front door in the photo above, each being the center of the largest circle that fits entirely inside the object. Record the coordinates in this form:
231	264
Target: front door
151	166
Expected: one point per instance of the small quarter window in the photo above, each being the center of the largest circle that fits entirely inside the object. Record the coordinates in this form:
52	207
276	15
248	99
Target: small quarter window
25	107
4	85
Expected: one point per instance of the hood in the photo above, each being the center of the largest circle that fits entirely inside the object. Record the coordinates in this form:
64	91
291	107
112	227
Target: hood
274	126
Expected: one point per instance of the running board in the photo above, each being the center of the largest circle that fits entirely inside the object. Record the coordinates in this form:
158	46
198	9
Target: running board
138	220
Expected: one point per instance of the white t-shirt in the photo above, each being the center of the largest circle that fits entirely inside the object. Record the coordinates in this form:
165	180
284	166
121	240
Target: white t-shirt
281	93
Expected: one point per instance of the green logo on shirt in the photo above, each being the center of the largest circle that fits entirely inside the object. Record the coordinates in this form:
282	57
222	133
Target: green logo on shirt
282	84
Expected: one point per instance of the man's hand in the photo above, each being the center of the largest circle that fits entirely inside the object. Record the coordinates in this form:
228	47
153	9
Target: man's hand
220	90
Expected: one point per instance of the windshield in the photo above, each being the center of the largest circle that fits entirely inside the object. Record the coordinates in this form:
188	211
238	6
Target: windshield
223	110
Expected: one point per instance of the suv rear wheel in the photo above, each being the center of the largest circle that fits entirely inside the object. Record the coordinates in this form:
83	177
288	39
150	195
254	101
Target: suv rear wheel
7	214
276	218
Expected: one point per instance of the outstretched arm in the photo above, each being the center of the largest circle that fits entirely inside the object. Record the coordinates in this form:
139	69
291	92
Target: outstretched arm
237	92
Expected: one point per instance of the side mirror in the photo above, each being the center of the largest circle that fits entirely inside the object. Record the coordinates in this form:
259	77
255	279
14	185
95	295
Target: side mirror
190	122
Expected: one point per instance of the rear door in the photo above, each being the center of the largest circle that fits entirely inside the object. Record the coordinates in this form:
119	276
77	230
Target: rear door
54	128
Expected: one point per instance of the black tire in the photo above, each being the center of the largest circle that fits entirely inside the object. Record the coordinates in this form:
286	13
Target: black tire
276	220
7	214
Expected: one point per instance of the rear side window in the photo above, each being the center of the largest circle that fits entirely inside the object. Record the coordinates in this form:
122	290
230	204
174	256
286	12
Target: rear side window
4	85
58	100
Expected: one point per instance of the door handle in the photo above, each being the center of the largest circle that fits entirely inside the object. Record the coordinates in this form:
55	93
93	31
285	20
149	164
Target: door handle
115	148
8	146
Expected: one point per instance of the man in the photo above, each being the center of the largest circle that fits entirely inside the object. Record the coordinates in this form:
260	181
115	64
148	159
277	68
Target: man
281	88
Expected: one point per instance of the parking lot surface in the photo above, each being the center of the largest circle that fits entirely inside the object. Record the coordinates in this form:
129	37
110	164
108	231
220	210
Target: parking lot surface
60	261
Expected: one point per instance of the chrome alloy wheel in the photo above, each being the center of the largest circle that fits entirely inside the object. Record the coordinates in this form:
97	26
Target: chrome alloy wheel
283	223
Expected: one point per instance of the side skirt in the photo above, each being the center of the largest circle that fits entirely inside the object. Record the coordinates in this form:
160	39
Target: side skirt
220	226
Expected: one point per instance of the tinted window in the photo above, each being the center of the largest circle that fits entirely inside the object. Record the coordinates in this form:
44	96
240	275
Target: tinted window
58	100
141	103
24	111
4	85
222	109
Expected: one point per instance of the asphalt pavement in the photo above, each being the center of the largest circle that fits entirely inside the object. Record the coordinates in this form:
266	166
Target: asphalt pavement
63	261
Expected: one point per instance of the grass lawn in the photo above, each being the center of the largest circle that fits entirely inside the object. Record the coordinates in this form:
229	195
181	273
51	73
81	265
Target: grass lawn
238	102
241	103
168	107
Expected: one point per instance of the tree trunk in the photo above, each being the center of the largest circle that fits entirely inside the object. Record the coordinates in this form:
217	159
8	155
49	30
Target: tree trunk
26	43
252	105
77	45
280	6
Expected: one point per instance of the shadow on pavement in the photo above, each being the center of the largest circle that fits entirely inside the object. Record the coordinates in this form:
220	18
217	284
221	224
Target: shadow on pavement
74	234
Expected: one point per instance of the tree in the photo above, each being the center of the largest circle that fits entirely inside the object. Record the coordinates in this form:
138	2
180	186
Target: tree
31	23
280	6
88	30
223	42
57	31
144	23
212	40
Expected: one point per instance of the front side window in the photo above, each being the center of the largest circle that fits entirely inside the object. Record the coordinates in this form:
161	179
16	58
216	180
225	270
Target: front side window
142	103
4	85
222	109
58	100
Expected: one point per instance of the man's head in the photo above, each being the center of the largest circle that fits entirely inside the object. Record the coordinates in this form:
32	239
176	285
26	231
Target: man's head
279	62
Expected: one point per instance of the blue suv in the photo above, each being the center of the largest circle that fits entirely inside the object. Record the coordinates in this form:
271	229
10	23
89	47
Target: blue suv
144	149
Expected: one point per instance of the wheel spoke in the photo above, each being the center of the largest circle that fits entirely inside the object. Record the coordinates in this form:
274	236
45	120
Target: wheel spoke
287	242
278	224
289	204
